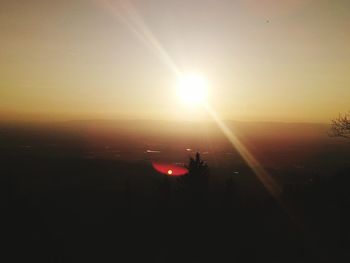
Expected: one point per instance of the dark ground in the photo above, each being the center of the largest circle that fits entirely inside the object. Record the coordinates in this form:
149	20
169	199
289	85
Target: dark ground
75	193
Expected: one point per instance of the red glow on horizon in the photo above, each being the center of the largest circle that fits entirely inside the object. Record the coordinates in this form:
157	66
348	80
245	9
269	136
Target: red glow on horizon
169	169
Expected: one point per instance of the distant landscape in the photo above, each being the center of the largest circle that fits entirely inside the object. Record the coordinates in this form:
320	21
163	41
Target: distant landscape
90	185
175	131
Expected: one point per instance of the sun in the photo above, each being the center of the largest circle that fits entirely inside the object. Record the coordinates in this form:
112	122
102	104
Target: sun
192	89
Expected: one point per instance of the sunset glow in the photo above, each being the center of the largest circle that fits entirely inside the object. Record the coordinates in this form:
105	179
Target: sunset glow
192	89
175	130
122	59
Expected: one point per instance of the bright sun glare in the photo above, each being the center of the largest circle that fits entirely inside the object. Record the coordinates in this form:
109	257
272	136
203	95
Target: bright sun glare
192	89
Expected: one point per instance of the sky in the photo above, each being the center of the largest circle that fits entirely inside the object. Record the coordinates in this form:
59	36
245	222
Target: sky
264	60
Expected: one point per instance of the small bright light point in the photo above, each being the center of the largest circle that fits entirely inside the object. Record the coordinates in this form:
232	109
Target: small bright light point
170	172
192	89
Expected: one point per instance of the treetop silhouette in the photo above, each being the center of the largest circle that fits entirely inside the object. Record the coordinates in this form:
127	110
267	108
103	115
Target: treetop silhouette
340	126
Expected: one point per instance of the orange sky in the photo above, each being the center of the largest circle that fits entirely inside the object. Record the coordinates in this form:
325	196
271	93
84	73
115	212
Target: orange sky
263	59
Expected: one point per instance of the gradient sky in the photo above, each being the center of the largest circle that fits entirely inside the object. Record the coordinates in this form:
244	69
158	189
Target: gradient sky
265	60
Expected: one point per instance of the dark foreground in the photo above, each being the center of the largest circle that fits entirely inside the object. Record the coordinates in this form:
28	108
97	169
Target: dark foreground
61	206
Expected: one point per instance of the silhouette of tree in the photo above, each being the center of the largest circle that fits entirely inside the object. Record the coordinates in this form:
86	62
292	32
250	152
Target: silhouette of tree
340	126
195	182
197	176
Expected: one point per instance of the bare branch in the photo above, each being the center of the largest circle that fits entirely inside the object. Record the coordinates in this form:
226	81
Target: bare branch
340	126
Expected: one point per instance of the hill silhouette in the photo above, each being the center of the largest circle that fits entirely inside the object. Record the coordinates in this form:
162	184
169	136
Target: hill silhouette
87	191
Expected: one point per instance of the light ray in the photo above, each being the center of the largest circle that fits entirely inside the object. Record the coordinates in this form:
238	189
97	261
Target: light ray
128	15
273	188
263	176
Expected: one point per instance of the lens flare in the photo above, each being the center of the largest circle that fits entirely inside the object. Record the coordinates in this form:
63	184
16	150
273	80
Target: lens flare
192	89
169	169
